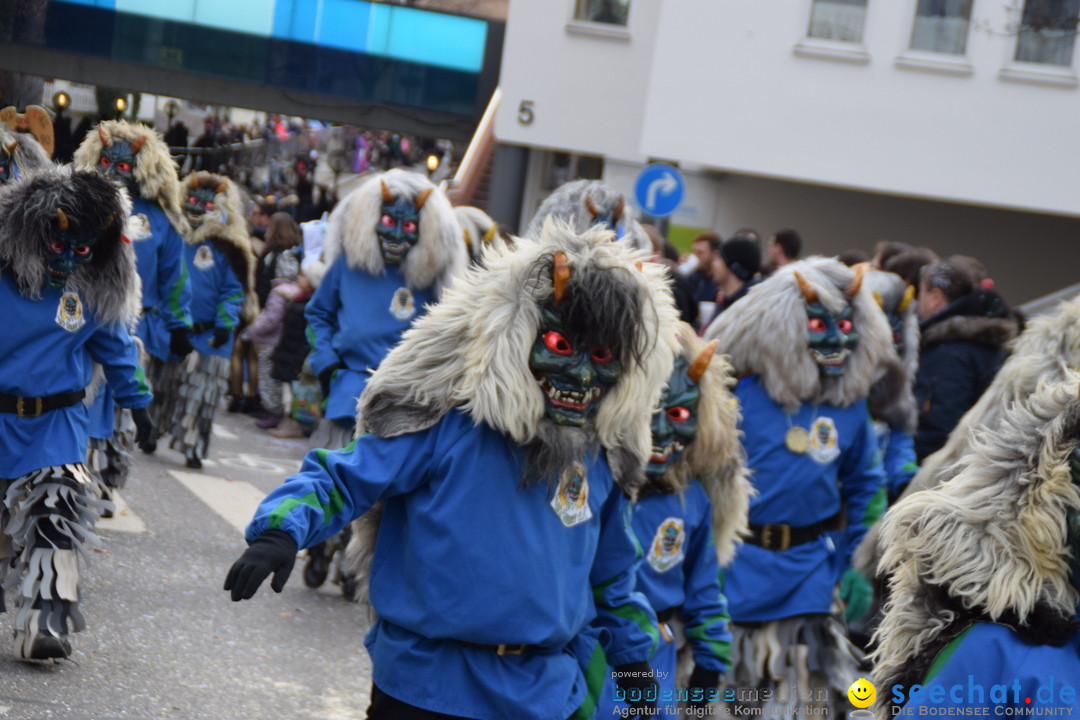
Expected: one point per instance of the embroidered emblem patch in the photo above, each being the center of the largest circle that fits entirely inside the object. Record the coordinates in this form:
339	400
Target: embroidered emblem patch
571	501
69	313
824	441
138	228
667	549
204	258
403	306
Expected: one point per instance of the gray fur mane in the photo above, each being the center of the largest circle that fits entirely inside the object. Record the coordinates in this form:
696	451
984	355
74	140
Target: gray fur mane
28	154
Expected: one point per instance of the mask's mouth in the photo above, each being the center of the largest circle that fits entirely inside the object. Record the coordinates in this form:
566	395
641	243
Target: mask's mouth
394	251
835	359
575	400
662	454
56	276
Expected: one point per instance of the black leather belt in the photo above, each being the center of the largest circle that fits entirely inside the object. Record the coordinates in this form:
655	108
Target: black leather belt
667	615
32	407
780	536
200	327
520	649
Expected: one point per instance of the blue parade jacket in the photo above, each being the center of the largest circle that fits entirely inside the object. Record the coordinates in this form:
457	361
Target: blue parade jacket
842	470
465	554
355	318
159	253
216	295
898	455
40	357
989	666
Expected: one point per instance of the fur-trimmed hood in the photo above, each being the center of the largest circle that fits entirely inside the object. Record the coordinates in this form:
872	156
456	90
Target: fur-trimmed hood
765	333
438	256
155	170
226	229
715	457
109	284
471	349
989	545
981	318
24	150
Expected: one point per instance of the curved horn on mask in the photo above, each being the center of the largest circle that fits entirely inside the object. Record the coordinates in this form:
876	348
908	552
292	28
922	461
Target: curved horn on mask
105	139
591	206
222	187
61	219
137	145
909	295
194	180
853	288
618	210
807	289
491	233
11	146
878	300
108	221
421	198
701	363
560	274
387	196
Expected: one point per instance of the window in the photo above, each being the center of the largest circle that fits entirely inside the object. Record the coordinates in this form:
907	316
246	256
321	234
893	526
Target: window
1048	31
612	12
838	20
941	26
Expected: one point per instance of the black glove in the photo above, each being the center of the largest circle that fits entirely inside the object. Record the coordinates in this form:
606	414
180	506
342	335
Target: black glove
179	342
272	552
144	426
326	376
221	336
636	681
702	681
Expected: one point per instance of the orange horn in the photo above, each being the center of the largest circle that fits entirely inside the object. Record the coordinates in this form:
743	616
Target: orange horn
222	187
61	219
808	290
105	139
909	295
387	196
108	221
137	145
878	300
560	274
618	210
853	288
11	146
591	206
421	198
491	233
701	362
194	180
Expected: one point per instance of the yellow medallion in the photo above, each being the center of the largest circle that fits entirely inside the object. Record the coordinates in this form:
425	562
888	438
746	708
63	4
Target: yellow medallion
797	440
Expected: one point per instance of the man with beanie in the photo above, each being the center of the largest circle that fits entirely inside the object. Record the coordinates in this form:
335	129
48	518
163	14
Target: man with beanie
734	268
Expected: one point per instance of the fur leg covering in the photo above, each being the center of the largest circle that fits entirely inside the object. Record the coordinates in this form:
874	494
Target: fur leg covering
109	459
47	521
200	389
805	661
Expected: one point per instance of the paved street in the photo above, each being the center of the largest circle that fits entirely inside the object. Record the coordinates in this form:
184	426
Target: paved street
163	640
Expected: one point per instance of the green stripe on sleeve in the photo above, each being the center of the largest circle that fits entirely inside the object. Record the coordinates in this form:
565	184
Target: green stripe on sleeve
174	294
334	505
223	315
719	648
595	674
946	653
140	377
875	507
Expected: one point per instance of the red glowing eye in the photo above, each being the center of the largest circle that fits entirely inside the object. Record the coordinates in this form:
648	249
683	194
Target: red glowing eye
816	325
123	166
845	326
208	205
105	162
601	355
193	200
82	250
678	414
387	221
557	344
56	246
408	226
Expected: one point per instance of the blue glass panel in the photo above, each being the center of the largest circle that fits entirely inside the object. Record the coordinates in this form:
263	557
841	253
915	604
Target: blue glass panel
344	24
431	38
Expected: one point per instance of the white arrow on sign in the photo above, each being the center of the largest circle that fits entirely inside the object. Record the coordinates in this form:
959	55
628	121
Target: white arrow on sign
666	183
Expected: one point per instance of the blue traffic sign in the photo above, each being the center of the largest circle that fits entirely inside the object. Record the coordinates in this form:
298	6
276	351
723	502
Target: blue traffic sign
659	189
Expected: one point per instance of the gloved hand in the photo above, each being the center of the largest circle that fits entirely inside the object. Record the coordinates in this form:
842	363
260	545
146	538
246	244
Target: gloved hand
705	680
144	426
272	552
326	376
179	342
857	592
636	681
220	337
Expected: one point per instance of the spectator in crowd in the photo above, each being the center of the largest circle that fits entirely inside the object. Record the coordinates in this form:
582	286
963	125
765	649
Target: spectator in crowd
853	257
784	247
909	264
886	249
666	254
734	268
965	329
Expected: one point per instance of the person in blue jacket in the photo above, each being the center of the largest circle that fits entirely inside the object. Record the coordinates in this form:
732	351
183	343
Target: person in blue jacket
391	246
221	263
808	341
688	518
983	616
69	278
504	433
136	157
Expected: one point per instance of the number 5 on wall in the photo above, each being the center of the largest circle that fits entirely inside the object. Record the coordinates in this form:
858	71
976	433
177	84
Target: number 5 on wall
525	112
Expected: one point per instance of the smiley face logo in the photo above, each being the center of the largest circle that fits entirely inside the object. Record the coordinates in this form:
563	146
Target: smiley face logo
862	693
